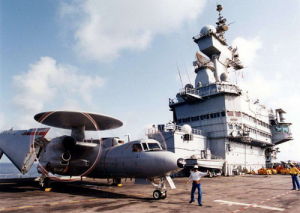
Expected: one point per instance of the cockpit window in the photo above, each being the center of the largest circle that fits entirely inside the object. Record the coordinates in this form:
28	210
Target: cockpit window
145	146
154	146
136	147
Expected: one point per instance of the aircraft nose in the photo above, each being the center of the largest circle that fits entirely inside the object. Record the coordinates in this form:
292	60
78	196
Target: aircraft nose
172	162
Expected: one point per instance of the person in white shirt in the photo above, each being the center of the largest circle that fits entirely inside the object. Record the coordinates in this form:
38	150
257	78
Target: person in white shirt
195	177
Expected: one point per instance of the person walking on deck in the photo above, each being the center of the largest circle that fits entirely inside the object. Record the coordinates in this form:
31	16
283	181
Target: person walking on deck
294	174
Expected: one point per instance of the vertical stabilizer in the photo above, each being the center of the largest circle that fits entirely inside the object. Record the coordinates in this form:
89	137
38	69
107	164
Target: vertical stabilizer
20	148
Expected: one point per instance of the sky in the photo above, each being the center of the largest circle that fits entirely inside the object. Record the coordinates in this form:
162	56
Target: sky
121	58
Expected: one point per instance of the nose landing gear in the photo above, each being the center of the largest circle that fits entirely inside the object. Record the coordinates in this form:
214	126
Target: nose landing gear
158	194
161	191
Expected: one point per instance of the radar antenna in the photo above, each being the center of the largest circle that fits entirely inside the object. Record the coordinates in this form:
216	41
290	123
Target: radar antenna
221	24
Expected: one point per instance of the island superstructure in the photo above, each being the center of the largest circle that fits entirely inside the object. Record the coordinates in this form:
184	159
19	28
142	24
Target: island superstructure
216	122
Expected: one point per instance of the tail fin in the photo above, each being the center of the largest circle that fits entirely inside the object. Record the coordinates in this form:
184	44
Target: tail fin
19	146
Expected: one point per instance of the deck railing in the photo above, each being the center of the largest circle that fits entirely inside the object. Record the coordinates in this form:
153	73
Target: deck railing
208	91
170	127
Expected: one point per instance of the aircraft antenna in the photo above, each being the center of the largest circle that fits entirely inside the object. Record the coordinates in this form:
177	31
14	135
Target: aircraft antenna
128	137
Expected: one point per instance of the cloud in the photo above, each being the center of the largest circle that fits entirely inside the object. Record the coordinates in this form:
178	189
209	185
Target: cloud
47	81
247	49
103	29
274	87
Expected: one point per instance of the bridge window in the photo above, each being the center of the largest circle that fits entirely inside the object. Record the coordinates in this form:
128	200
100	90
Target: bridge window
136	147
282	128
285	129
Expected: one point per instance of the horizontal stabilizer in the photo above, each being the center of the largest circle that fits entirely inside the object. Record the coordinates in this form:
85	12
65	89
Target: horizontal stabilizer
20	147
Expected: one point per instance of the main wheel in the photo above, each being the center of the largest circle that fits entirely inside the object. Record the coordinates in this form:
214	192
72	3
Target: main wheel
44	183
157	194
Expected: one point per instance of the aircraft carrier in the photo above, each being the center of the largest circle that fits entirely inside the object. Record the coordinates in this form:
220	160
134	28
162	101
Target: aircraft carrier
215	122
215	125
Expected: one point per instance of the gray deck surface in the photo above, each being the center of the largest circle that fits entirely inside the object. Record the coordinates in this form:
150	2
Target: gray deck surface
250	194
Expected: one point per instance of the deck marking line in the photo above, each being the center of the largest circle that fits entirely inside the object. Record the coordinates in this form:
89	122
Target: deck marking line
25	207
249	205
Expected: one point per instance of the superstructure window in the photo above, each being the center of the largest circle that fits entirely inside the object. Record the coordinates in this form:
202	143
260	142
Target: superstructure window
238	114
196	118
230	113
215	115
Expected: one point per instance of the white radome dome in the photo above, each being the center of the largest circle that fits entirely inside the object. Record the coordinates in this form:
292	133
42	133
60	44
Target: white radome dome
187	129
208	29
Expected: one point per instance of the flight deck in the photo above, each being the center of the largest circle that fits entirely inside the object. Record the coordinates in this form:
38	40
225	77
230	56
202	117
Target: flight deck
251	193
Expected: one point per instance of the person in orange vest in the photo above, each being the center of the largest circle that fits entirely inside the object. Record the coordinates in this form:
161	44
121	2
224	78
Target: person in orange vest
294	174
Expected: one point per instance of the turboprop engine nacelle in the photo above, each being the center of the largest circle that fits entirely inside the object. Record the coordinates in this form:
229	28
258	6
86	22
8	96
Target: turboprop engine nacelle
59	153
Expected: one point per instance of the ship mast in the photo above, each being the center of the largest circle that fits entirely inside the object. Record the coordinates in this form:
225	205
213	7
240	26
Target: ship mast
222	27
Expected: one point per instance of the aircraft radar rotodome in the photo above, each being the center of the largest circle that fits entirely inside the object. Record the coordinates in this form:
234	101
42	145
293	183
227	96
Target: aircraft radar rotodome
73	119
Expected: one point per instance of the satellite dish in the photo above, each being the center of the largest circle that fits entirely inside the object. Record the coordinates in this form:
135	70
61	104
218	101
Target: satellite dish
234	133
208	29
224	76
189	86
187	129
202	59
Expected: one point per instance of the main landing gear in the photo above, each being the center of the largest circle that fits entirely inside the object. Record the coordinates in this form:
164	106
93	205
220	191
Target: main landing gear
161	191
44	182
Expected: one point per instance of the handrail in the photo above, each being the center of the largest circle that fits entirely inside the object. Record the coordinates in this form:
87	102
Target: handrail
208	91
170	127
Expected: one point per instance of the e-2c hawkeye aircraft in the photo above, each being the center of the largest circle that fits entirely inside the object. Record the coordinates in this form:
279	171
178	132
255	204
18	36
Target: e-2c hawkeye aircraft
74	155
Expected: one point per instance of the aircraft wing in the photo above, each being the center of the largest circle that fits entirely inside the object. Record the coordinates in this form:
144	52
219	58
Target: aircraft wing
22	146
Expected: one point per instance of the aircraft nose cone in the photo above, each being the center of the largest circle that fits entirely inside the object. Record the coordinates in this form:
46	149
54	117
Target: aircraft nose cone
172	162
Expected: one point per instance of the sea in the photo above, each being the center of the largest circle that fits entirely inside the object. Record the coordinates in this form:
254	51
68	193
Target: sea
9	171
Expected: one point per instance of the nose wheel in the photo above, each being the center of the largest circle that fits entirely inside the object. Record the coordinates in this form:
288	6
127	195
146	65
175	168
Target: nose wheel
158	194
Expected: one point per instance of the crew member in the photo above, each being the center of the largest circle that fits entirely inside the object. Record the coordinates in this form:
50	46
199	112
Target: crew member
294	174
195	177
